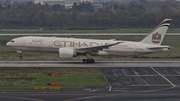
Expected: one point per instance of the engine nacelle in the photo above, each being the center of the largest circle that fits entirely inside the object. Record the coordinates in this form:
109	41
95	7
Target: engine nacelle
66	53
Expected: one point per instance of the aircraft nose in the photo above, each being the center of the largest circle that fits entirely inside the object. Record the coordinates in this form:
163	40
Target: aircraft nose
8	43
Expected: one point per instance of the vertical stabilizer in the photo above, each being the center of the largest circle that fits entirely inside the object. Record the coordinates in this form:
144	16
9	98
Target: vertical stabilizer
157	35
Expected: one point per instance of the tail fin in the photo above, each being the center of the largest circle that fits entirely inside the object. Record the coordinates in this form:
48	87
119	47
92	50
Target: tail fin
157	35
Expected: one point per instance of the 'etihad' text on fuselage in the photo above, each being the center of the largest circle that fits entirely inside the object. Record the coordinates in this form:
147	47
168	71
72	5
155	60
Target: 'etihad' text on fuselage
74	43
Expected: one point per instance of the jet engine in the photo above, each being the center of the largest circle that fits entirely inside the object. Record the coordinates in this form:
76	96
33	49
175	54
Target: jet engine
66	53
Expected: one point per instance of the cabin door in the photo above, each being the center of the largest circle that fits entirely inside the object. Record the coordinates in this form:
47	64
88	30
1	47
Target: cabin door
50	44
23	42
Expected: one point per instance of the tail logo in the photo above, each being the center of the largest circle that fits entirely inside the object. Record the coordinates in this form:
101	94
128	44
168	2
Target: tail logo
156	38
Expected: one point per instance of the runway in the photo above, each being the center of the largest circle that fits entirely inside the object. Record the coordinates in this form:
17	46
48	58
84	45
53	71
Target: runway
97	64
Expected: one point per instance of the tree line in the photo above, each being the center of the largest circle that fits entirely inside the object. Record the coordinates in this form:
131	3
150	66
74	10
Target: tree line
112	15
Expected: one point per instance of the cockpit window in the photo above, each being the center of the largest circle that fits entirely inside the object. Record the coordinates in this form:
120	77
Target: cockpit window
12	41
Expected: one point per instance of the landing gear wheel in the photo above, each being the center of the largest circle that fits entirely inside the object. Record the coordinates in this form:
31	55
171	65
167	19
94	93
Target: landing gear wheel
20	54
84	61
20	57
88	61
92	61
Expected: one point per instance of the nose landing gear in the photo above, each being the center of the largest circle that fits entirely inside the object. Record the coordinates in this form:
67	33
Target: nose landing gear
20	54
20	57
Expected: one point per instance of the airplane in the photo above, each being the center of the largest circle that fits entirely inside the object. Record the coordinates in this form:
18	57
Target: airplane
72	47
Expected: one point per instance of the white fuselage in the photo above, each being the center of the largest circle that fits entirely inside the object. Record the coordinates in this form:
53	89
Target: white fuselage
52	45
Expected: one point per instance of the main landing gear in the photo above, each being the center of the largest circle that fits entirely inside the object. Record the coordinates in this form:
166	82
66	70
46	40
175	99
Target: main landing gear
20	54
89	59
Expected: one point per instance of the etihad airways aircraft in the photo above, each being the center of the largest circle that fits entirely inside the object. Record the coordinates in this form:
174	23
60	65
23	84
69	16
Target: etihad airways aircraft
71	47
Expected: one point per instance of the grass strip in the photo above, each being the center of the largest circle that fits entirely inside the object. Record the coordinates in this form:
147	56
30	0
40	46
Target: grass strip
24	79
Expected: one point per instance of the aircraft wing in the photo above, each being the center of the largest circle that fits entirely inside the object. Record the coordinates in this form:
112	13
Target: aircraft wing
159	47
97	48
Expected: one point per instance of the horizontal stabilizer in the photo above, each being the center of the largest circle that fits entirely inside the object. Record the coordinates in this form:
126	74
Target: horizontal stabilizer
159	47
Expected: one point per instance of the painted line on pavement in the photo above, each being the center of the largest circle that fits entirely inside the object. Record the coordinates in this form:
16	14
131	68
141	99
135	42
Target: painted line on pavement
163	76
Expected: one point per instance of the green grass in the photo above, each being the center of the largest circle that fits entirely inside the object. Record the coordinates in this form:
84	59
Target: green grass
71	80
23	79
9	54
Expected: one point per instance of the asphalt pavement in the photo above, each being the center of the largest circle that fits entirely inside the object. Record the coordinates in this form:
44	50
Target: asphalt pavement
97	64
125	84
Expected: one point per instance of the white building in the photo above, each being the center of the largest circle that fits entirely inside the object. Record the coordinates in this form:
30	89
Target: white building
43	2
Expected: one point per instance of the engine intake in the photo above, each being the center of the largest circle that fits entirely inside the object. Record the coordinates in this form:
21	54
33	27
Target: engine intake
67	53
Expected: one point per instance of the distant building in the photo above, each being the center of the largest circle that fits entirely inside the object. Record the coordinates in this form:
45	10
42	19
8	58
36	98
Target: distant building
98	6
51	2
67	3
43	2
